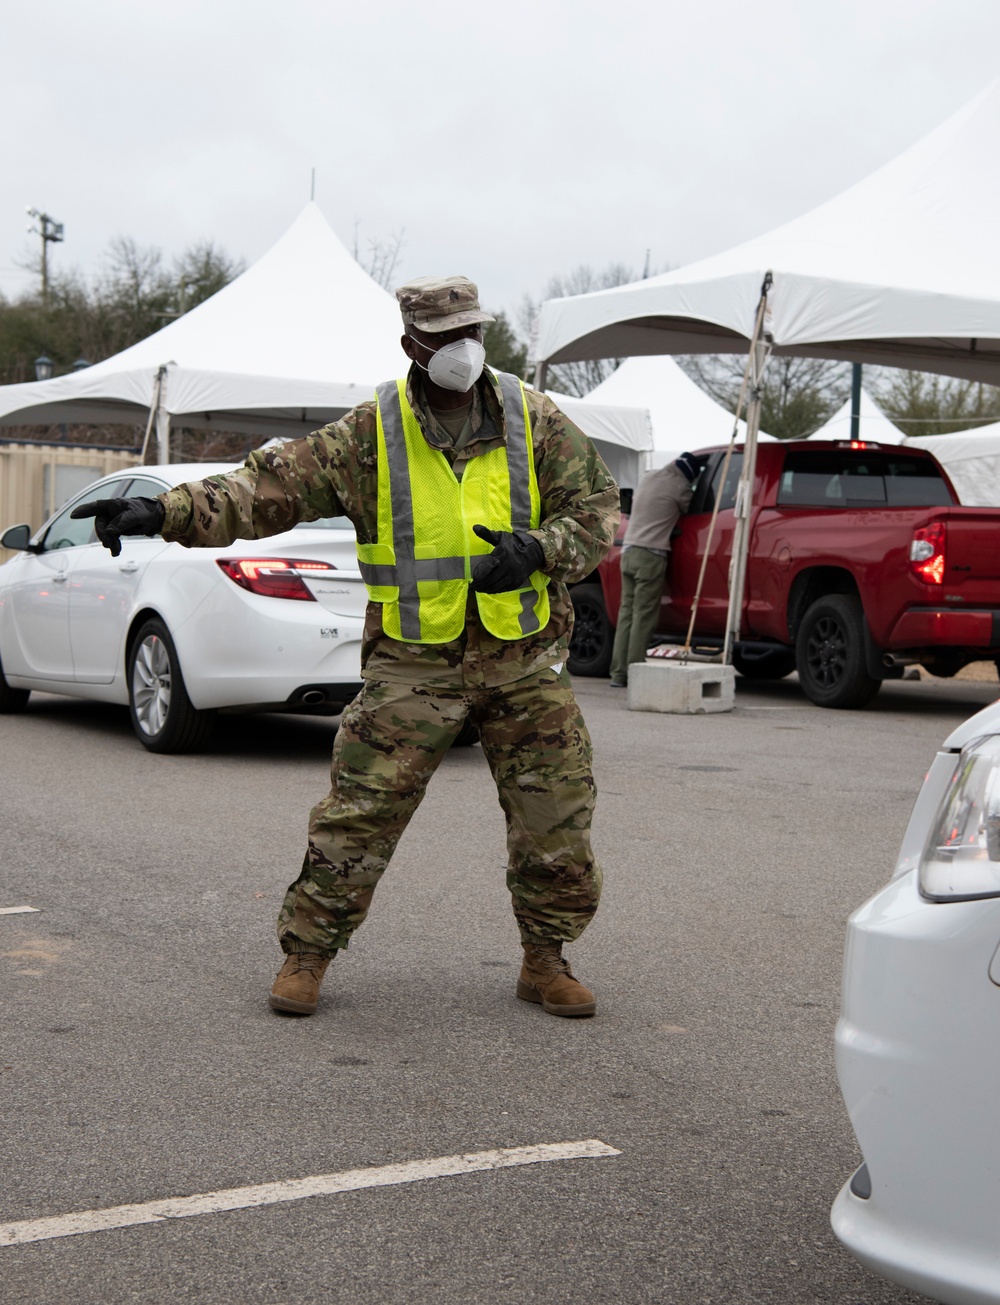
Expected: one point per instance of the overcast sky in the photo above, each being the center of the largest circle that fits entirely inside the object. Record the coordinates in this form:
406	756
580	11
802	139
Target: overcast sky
509	142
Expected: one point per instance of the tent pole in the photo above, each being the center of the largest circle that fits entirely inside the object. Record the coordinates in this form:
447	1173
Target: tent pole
855	401
541	375
744	506
723	472
154	405
163	435
760	350
162	418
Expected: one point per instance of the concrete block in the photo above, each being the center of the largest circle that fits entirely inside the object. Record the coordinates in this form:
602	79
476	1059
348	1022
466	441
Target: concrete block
684	688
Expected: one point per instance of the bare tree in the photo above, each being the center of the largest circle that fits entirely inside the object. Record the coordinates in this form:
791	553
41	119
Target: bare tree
921	403
577	378
131	297
382	257
126	301
201	271
799	394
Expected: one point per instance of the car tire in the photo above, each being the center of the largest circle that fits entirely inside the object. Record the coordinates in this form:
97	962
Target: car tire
830	654
593	634
162	715
11	700
773	664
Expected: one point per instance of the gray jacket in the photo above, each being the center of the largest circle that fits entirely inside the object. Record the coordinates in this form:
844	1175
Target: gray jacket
660	499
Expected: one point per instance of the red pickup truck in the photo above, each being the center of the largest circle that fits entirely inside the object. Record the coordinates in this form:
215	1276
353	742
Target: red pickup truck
861	563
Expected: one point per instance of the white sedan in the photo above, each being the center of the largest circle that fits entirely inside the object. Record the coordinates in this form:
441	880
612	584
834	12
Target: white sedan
178	633
918	1041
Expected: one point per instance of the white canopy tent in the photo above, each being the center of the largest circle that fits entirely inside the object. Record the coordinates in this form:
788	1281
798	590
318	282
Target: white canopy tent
622	434
972	461
683	416
873	424
255	357
900	269
258	357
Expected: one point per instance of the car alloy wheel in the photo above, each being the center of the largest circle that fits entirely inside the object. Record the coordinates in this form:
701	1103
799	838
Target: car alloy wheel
827	652
151	675
163	716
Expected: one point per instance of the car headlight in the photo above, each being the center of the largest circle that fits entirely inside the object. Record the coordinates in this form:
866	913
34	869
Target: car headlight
961	859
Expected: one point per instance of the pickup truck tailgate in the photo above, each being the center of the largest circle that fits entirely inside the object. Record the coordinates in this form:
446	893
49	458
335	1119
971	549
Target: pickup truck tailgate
972	555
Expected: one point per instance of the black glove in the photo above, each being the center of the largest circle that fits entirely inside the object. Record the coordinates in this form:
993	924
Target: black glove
114	517
516	556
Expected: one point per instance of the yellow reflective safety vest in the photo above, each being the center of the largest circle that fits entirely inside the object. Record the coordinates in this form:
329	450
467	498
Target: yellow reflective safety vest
419	570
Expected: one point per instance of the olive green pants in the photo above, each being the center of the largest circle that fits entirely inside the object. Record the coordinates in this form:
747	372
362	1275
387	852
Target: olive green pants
390	741
643	573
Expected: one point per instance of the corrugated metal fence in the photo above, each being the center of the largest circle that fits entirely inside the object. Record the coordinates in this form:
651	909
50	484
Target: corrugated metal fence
36	479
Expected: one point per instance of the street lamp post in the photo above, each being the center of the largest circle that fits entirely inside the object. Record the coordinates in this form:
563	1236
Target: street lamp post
51	232
43	368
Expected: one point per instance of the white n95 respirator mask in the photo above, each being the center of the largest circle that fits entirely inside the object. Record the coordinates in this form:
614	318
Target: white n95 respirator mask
457	366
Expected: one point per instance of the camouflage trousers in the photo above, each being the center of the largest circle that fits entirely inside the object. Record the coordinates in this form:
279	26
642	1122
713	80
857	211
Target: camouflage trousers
391	740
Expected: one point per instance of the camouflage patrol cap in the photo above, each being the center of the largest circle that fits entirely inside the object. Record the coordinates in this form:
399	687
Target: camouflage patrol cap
441	303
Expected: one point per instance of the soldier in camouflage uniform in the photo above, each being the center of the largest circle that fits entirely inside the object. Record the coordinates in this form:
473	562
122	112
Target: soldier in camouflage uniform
417	695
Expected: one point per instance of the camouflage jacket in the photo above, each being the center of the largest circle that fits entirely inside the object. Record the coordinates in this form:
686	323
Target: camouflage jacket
334	472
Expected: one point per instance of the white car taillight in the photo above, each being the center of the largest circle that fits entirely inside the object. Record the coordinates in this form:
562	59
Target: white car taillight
961	859
273	577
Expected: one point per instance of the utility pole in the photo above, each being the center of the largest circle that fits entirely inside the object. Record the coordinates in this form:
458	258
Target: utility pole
184	283
855	401
182	288
51	232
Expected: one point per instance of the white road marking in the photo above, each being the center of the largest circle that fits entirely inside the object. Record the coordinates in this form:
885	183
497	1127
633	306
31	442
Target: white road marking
295	1189
17	910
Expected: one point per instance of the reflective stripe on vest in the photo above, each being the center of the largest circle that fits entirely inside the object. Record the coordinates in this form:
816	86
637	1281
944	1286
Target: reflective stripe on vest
419	569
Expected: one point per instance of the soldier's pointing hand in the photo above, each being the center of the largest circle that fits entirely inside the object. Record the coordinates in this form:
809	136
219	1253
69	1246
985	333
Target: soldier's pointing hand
114	517
516	556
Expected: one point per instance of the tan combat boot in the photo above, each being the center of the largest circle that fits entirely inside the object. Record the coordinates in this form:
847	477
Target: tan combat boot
547	979
296	989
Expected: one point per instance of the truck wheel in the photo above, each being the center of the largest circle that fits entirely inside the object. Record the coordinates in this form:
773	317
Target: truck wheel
774	664
830	654
593	635
162	715
11	700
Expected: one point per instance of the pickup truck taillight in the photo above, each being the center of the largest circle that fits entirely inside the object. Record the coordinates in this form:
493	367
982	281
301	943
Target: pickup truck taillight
272	577
927	553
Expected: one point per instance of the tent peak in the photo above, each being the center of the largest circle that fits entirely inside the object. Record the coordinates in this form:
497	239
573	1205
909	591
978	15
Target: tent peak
898	270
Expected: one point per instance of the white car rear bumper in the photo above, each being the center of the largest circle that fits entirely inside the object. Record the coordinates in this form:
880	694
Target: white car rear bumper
249	649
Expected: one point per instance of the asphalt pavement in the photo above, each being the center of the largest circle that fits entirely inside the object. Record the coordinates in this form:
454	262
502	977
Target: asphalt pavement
139	1060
